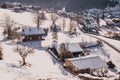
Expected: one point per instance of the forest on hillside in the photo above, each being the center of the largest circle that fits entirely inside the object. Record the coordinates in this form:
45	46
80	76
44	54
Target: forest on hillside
71	5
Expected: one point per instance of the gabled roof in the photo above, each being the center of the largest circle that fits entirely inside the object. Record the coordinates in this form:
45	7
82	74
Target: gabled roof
72	47
32	31
89	26
88	62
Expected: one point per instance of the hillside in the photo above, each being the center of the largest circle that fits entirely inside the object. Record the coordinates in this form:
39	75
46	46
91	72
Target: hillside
71	5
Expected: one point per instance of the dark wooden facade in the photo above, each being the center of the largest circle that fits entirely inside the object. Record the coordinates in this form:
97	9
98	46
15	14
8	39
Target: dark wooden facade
35	37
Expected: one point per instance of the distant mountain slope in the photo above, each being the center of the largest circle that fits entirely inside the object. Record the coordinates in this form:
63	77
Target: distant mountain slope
71	5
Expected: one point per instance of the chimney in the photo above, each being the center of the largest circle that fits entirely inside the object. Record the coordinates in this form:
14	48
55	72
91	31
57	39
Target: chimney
38	28
22	30
29	29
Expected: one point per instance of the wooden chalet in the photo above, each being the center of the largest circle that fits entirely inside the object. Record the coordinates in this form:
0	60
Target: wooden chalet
32	34
74	48
87	64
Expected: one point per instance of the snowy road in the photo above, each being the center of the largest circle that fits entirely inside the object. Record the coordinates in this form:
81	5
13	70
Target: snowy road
112	43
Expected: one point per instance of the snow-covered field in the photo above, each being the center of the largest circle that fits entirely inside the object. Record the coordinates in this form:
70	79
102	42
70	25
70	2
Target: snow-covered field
42	66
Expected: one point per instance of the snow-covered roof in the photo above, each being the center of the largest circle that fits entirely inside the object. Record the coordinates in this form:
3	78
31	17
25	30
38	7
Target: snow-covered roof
72	47
32	31
92	62
89	26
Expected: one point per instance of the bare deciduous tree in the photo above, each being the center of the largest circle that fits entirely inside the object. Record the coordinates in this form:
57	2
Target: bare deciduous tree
55	36
15	35
64	24
1	54
78	19
39	17
54	17
71	27
8	24
23	52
